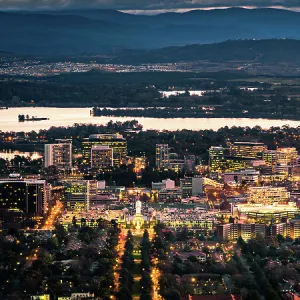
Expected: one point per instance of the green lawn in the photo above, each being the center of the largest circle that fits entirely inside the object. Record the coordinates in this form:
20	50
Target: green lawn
136	270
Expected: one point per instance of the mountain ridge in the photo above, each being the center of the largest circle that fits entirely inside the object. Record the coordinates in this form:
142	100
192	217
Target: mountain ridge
91	32
261	51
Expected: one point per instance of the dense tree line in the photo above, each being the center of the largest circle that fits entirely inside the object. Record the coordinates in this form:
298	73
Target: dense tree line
264	284
107	89
35	264
146	281
126	278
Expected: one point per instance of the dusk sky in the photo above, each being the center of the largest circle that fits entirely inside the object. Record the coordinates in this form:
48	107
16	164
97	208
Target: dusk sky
145	4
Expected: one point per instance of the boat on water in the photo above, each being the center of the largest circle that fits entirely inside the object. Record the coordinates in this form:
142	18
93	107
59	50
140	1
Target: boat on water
23	118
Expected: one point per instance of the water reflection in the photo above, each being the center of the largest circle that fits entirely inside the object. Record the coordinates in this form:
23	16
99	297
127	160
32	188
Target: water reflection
69	116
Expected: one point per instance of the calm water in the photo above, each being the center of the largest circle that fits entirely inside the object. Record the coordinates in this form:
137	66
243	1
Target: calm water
69	116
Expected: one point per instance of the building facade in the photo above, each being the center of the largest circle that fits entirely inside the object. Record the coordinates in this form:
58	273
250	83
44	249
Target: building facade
268	195
116	142
29	196
287	156
247	149
162	156
232	231
58	155
79	194
191	186
216	159
101	157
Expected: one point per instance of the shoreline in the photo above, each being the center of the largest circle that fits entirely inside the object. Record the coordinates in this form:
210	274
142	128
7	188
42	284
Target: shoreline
146	112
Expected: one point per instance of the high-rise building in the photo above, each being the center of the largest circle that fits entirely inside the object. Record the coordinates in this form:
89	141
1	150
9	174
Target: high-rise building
248	149
58	155
115	141
162	156
29	196
101	157
217	159
79	193
268	195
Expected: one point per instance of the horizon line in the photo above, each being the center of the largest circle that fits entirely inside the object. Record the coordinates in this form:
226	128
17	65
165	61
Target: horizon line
184	10
153	11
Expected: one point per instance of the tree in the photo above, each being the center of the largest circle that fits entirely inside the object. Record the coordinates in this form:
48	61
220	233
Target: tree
183	235
83	222
146	282
205	250
74	221
52	243
280	238
60	232
145	296
172	294
124	293
128	246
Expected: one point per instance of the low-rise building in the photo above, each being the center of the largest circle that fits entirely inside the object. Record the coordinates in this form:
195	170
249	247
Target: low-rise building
232	231
268	195
170	195
165	184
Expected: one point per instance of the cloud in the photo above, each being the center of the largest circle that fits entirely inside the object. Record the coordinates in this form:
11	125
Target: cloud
141	4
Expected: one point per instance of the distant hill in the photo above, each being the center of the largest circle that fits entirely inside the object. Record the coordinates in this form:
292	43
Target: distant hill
75	32
261	51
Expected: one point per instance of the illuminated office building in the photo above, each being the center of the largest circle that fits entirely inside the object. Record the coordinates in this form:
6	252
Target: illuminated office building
29	196
268	195
296	171
59	155
217	159
169	195
283	169
140	164
250	176
270	157
220	161
265	214
176	165
79	193
294	228
162	156
191	186
247	149
279	228
101	157
233	163
290	228
287	156
232	231
115	141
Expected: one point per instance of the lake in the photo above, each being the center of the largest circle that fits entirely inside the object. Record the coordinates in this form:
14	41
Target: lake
69	116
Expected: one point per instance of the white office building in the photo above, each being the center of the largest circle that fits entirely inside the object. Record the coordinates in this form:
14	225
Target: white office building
58	155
